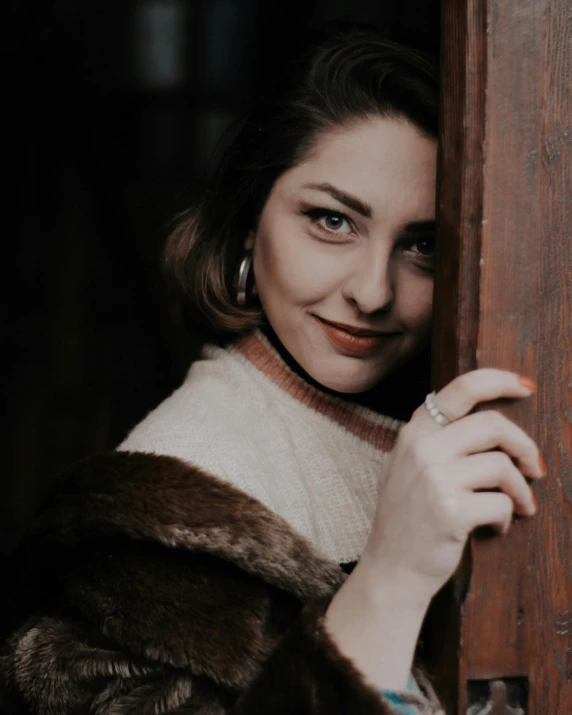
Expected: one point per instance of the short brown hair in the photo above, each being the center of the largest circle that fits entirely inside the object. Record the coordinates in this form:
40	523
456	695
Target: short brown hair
353	75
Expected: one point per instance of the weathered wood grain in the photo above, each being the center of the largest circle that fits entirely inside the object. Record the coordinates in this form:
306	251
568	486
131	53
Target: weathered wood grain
504	299
462	129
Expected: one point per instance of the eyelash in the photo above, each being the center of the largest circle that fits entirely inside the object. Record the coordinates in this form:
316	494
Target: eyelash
318	213
426	260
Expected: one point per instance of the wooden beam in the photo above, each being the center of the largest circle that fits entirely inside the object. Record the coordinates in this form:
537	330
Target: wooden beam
504	298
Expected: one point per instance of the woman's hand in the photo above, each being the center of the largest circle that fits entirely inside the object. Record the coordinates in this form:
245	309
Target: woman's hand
439	481
437	488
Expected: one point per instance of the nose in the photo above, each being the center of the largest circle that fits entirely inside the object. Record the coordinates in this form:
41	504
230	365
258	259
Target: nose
370	286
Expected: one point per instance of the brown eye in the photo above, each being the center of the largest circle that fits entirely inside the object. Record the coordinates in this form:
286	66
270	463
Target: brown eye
420	250
426	247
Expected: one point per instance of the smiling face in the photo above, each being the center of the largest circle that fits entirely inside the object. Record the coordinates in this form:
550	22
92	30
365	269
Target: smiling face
343	253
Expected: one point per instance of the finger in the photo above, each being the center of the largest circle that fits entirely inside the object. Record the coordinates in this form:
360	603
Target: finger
487	509
493	470
488	430
465	392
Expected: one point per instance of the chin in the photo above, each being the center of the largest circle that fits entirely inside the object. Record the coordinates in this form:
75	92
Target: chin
345	381
350	387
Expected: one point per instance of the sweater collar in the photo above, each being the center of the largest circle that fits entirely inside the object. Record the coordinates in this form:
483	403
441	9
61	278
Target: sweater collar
377	429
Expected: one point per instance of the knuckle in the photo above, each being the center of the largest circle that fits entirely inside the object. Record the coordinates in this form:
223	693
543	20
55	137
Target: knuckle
468	382
420	451
502	463
494	420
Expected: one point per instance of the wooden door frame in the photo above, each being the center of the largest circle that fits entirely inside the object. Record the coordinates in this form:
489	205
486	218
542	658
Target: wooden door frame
503	298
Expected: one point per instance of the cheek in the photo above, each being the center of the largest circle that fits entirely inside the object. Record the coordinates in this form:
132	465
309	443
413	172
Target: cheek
289	268
416	303
277	273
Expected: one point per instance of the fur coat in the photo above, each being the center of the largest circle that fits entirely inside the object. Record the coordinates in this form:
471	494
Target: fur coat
147	586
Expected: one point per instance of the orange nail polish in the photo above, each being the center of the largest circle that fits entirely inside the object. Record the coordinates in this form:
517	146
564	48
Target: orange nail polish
543	466
528	383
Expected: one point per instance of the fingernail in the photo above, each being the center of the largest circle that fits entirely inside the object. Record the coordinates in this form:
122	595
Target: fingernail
528	383
543	466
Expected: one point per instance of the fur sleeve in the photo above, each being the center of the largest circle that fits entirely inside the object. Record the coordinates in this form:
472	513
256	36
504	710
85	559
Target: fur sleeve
53	667
145	630
149	587
308	674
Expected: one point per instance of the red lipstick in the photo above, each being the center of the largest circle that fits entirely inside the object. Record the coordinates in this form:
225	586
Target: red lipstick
353	340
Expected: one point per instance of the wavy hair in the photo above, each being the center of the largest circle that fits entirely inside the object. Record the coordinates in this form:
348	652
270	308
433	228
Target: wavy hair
349	77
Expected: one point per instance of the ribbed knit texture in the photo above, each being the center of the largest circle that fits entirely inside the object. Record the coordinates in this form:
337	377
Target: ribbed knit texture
314	459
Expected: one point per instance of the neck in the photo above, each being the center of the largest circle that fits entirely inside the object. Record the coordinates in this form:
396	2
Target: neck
397	395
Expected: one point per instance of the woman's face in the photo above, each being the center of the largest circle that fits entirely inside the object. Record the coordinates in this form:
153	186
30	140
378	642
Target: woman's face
343	252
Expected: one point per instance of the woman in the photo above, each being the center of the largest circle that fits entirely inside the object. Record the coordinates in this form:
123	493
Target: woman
200	568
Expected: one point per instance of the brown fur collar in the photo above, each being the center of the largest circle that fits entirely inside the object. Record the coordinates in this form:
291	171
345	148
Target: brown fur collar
148	586
171	563
146	496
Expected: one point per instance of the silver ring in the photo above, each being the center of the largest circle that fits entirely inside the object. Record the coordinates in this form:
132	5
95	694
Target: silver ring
439	417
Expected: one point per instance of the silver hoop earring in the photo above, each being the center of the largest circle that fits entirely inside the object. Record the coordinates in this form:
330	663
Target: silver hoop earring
245	286
243	277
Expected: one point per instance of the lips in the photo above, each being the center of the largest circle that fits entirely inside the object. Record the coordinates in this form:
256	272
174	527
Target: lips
353	340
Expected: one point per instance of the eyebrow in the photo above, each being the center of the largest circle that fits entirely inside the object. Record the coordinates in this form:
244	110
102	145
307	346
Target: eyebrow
421	227
350	201
418	227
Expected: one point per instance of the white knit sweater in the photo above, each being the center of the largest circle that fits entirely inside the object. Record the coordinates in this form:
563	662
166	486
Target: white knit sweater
314	459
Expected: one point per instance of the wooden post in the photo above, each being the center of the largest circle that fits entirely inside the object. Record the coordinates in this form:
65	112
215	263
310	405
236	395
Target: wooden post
504	299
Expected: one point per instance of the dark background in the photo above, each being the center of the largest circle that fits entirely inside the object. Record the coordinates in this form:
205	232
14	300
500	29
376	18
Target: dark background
112	108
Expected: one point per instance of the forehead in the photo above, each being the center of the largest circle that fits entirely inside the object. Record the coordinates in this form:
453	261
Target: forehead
384	162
